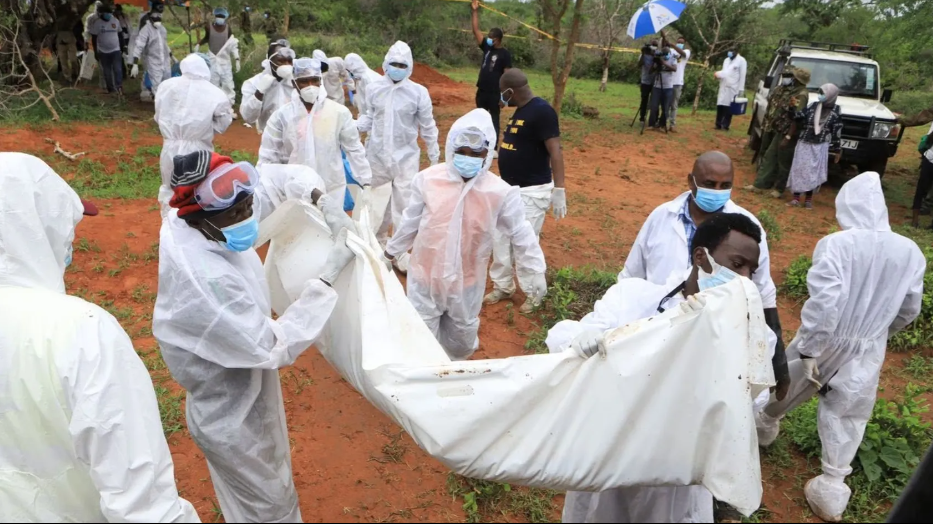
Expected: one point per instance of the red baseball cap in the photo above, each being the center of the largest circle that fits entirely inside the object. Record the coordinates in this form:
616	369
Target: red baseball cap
90	209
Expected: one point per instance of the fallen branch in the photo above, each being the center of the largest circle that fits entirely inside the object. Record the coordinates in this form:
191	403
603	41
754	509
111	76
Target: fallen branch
62	152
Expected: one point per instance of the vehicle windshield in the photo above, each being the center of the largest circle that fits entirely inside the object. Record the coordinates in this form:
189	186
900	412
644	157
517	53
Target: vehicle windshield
852	79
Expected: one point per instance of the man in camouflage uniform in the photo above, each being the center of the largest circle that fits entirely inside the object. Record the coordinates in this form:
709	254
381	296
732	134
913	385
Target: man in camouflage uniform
779	136
925	182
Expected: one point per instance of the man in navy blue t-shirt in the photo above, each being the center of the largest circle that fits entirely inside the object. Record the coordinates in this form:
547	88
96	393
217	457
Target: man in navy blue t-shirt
496	60
530	157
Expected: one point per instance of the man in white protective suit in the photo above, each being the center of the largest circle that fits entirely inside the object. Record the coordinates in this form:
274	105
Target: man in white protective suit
271	89
335	76
312	131
731	84
726	246
224	51
189	111
866	284
397	109
362	76
662	247
152	45
81	435
452	213
213	322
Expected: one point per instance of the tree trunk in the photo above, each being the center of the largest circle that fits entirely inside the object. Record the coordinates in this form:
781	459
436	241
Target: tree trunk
285	20
560	80
605	79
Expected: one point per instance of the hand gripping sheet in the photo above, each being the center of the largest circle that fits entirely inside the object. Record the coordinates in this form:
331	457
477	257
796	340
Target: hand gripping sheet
670	405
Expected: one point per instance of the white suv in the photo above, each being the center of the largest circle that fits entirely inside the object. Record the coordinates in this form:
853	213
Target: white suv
870	134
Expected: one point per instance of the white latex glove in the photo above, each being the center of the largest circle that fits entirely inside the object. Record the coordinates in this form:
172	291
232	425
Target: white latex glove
135	71
264	82
811	372
337	259
237	65
559	203
386	260
693	304
538	288
366	197
589	343
334	215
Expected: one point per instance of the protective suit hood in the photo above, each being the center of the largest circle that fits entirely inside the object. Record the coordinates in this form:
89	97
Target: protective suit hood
317	53
193	66
477	118
356	65
399	53
38	215
860	204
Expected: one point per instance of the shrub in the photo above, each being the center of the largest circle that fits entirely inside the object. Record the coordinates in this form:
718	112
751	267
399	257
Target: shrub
795	277
910	102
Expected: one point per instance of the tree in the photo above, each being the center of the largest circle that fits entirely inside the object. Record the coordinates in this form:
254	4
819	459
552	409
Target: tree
17	79
554	11
608	24
715	26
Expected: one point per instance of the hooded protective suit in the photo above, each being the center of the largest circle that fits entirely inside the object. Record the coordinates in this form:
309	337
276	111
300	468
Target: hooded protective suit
80	435
336	78
866	284
295	135
213	322
189	111
258	112
450	223
396	112
362	76
222	67
152	46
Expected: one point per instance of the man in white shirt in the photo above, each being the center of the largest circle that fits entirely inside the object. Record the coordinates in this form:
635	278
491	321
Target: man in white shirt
662	246
682	55
731	84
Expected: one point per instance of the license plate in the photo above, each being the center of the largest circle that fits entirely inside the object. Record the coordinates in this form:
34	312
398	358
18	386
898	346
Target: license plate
850	144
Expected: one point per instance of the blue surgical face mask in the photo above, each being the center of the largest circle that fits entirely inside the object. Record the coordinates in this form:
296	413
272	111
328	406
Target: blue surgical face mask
68	256
468	166
720	275
502	96
220	21
711	200
397	74
821	98
680	46
106	16
730	54
241	236
489	41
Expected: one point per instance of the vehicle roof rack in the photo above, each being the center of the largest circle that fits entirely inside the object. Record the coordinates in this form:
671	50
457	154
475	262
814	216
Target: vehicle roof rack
852	49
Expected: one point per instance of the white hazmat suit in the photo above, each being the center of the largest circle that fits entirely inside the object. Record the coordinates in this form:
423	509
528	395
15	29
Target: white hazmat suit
450	223
661	249
152	46
189	111
315	137
731	80
362	77
865	285
80	435
396	112
257	112
222	67
336	78
213	322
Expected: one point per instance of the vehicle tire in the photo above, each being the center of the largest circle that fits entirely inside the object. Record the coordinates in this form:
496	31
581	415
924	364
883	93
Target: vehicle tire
754	138
878	166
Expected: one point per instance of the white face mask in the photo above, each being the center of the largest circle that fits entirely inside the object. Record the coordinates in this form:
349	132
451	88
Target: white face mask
284	72
309	94
787	81
157	24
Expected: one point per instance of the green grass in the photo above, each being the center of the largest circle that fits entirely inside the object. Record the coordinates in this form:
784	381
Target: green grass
795	278
134	177
918	367
770	224
485	501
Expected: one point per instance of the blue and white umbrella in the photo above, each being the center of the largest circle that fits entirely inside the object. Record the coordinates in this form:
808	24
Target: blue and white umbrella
653	17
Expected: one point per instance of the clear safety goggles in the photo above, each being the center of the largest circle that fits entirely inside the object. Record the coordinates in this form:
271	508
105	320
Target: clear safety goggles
472	138
223	185
284	52
307	68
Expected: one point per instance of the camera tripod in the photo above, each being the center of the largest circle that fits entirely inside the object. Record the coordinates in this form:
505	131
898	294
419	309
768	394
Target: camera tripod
656	82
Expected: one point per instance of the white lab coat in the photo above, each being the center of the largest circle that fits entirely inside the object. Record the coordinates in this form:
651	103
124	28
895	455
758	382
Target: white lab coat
222	67
661	249
629	300
80	430
152	46
731	80
865	285
258	112
213	322
396	112
296	136
362	76
450	223
189	111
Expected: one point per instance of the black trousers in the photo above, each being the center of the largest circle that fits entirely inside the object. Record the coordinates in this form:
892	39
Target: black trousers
646	90
924	183
723	117
489	100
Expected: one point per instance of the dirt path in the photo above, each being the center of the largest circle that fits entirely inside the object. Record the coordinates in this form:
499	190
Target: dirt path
351	464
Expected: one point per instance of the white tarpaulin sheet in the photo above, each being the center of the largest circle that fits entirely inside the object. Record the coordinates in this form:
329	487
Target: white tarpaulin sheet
670	405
